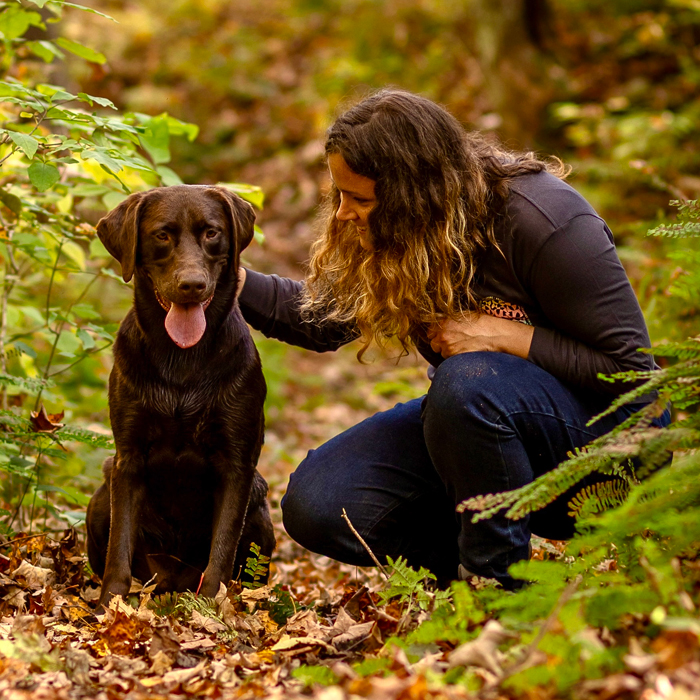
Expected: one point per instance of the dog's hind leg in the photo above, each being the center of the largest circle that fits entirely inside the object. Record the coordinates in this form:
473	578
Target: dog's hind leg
97	522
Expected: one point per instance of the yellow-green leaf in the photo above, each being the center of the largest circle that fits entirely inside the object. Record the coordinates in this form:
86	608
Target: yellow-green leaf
75	253
79	50
14	21
251	193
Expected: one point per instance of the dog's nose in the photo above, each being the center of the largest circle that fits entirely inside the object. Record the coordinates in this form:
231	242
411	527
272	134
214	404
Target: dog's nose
193	282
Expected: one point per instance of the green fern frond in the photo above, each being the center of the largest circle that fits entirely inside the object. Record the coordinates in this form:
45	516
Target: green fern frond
256	566
687	226
596	498
686	350
609	454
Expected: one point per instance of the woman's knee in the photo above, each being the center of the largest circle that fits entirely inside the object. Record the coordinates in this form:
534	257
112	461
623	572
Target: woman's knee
304	509
471	382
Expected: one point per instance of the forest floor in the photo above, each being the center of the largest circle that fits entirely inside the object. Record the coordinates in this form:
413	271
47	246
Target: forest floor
319	628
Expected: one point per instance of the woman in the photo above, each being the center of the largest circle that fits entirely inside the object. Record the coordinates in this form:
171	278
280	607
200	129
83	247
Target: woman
507	282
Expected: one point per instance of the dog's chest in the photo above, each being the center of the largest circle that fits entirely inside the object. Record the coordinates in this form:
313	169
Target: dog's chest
178	402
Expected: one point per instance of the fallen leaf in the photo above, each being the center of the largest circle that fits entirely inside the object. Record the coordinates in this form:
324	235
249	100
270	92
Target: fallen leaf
286	642
123	633
481	651
252	596
181	676
208	624
163	641
35	577
353	636
205	643
304	623
43	422
674	648
162	663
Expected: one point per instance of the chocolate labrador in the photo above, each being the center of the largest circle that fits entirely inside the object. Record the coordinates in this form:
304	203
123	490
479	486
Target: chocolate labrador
182	499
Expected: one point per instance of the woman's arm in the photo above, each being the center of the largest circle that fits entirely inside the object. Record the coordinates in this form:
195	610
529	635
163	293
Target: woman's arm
270	304
481	332
595	323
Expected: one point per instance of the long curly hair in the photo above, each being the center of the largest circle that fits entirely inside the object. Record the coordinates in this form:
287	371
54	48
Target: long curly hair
439	191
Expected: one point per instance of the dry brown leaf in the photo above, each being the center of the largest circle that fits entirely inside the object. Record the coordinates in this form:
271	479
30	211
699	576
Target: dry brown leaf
184	675
126	666
77	664
44	422
204	643
208	624
482	651
675	648
163	641
287	642
162	663
269	625
28	625
304	623
35	577
353	636
252	596
17	598
343	622
123	632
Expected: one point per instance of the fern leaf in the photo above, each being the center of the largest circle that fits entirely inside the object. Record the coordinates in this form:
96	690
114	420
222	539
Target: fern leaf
596	498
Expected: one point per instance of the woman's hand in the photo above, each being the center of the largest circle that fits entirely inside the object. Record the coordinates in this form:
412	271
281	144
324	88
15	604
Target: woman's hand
241	281
476	332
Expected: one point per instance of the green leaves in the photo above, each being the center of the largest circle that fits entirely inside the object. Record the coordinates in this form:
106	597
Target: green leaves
257	566
14	21
408	585
45	50
27	143
250	193
43	175
11	201
156	140
79	50
155	134
91	99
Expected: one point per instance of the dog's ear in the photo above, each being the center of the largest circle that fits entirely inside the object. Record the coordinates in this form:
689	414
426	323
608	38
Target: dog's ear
241	217
119	232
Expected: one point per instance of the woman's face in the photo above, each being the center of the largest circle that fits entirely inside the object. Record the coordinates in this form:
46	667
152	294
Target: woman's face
356	197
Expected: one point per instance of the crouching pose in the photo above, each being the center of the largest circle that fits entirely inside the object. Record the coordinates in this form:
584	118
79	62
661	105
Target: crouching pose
507	281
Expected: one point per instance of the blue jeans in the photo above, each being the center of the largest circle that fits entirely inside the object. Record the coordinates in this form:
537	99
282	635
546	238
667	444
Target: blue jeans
490	422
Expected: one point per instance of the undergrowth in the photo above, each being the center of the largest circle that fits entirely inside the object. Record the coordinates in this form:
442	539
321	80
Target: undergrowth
631	570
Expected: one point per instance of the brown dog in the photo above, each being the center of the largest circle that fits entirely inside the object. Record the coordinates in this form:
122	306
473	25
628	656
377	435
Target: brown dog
182	498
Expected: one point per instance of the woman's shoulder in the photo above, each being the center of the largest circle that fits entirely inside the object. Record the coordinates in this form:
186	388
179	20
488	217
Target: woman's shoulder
544	197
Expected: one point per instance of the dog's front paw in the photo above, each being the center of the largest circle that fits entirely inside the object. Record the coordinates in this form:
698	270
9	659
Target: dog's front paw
210	586
109	591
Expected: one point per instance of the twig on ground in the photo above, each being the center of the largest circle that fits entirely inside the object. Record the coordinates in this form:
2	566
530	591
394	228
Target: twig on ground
364	544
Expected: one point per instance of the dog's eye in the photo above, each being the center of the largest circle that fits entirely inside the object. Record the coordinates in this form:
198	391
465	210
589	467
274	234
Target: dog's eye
211	233
162	236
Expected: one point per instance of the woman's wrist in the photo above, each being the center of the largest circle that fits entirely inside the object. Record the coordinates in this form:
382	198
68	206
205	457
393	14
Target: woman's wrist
515	340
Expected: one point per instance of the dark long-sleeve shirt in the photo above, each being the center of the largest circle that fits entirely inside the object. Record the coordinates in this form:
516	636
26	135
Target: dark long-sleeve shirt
557	269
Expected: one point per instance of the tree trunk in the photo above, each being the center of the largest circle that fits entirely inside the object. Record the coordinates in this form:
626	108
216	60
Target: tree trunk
510	38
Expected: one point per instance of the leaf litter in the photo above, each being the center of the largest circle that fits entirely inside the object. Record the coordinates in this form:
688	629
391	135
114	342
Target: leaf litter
319	628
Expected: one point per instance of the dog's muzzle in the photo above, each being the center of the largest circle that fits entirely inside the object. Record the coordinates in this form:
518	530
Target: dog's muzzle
184	323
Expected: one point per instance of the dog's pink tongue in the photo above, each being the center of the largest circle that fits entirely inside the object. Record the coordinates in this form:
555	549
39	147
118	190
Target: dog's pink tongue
185	324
